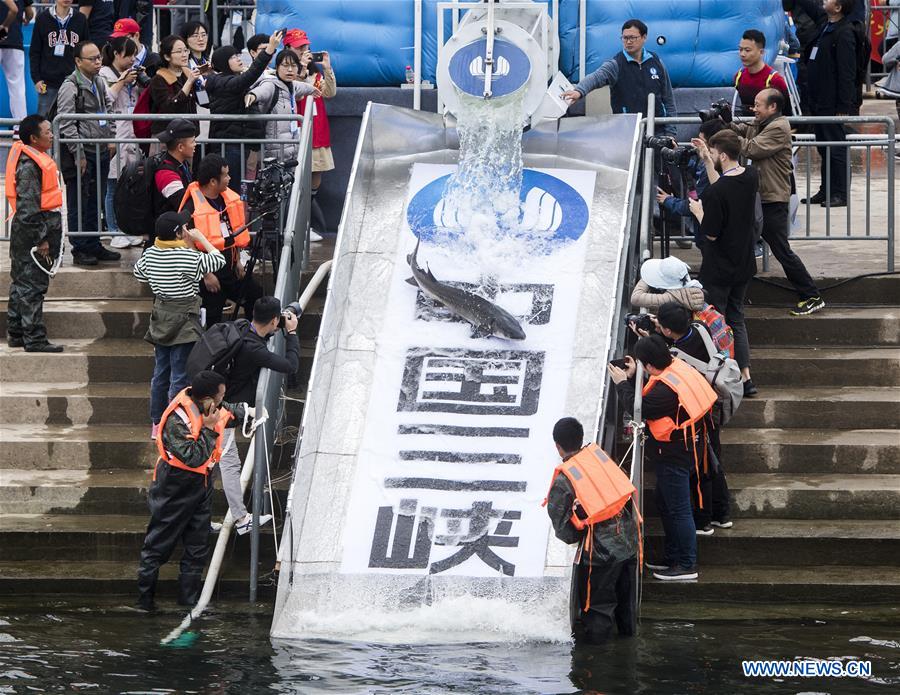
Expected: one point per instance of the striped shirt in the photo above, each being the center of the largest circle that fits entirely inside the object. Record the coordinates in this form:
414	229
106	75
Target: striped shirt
175	273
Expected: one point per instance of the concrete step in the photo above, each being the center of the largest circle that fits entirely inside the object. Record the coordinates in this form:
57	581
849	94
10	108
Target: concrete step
87	448
123	318
111	578
793	543
832	327
112	403
101	282
802	451
826	407
52	538
871	290
771	496
113	491
825	584
814	367
94	361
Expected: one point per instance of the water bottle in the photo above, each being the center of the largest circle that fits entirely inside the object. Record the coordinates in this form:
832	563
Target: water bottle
410	75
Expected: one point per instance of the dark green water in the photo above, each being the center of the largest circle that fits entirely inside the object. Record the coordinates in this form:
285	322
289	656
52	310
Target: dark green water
76	646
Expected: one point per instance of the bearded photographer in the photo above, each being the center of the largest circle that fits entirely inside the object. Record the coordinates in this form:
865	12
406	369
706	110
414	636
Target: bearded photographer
767	143
726	212
243	376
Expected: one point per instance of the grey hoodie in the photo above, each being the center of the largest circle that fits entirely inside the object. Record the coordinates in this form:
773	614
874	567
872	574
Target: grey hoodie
274	96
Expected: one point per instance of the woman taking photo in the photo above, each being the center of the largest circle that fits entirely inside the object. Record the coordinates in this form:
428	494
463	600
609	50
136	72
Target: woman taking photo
118	59
172	87
279	94
196	37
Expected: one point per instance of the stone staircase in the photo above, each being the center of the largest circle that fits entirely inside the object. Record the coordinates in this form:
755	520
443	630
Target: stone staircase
813	462
75	453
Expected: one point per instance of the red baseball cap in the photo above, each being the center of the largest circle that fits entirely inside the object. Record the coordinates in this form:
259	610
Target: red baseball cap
125	27
296	37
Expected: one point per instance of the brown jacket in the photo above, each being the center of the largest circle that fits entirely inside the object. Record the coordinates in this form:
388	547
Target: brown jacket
643	296
768	145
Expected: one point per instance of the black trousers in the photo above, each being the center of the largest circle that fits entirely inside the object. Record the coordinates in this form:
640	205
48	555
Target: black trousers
776	224
613	590
833	132
713	487
729	300
180	510
244	293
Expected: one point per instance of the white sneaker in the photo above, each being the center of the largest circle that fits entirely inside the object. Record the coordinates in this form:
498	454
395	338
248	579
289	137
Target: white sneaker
120	242
215	526
314	235
246	524
135	240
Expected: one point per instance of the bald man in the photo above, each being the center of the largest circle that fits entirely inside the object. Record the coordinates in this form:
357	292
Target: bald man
767	144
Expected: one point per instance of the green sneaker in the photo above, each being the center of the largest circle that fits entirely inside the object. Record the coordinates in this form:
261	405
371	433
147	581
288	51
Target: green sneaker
808	306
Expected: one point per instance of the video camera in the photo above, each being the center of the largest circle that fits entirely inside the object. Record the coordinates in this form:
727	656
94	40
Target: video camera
680	156
273	183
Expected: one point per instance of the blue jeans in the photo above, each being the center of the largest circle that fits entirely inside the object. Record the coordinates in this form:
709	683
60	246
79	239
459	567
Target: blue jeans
673	500
169	377
45	100
94	176
111	224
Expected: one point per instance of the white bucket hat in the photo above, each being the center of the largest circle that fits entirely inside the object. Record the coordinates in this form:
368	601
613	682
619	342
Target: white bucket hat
668	273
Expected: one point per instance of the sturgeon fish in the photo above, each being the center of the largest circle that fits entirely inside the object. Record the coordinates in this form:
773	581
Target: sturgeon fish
481	313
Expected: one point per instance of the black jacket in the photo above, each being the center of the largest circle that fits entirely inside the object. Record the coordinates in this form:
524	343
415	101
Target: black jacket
729	208
831	78
226	95
253	356
47	34
615	540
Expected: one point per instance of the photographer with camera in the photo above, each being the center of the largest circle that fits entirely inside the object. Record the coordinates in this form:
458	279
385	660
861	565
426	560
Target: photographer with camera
172	267
121	82
726	211
698	181
218	212
252	356
677	401
146	62
768	144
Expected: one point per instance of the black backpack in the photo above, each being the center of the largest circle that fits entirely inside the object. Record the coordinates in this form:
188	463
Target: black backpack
217	348
133	199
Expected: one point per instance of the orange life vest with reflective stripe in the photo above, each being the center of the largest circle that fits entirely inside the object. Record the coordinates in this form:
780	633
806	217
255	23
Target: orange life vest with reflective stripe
601	488
209	220
183	406
695	396
51	191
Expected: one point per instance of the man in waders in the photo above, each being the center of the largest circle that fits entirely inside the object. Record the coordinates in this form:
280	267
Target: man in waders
35	235
189	446
588	505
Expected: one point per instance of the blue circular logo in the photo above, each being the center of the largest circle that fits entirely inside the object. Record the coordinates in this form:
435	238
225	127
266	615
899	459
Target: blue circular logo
511	72
549	204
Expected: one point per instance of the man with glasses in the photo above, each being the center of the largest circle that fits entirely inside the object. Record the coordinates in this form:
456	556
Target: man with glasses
631	75
84	91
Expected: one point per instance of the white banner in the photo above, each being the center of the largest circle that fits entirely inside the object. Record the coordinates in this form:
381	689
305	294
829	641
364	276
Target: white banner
457	453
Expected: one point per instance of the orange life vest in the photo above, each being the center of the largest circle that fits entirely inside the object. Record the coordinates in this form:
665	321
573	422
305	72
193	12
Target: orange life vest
51	192
695	396
602	490
209	220
184	407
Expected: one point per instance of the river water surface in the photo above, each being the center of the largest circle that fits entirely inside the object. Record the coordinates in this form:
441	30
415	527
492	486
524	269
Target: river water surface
77	646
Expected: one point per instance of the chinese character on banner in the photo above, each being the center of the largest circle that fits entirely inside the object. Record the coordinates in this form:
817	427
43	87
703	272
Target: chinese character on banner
476	382
475	538
405	552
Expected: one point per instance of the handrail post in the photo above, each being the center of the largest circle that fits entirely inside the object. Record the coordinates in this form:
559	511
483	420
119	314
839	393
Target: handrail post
646	241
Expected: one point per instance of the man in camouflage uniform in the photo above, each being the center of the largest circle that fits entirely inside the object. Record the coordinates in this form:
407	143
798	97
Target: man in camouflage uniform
33	226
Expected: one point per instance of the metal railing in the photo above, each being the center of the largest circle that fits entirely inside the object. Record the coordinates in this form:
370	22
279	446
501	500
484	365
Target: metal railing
96	148
294	260
885	143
